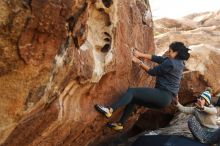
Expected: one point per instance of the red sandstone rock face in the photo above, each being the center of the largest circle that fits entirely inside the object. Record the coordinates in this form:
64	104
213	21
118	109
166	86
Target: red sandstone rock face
59	58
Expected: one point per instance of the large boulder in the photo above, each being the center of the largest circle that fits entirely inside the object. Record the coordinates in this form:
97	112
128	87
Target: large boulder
205	19
165	25
59	58
189	22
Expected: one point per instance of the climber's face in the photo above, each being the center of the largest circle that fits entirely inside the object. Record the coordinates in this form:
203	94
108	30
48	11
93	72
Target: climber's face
171	54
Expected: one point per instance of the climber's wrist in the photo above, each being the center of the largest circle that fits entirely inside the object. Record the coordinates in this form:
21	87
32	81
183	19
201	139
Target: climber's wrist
140	63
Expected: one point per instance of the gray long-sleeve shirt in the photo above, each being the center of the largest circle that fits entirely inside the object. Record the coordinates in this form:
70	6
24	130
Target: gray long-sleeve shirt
168	73
206	117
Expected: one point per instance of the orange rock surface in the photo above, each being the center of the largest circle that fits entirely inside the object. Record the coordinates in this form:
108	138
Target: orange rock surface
59	58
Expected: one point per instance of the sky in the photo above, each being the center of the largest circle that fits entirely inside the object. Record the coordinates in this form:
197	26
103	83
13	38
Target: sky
179	8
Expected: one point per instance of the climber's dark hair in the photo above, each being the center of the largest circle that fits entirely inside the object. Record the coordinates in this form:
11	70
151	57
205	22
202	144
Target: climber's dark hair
181	49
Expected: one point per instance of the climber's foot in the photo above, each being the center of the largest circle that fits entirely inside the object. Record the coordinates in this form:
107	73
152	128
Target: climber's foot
106	111
115	126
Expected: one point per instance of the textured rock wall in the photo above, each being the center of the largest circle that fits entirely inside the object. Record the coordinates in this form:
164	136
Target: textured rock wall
59	58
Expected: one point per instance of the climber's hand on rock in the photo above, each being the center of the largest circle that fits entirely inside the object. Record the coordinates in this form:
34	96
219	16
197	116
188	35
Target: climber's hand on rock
136	53
136	60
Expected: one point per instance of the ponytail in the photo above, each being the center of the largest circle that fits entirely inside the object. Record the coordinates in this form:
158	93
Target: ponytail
181	49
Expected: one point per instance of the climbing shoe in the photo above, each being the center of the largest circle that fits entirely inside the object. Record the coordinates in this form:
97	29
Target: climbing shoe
107	111
115	126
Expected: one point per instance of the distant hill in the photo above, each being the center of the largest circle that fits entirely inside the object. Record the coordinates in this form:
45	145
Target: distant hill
189	22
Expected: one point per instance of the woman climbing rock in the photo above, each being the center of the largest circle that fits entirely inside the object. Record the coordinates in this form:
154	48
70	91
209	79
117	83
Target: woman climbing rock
168	76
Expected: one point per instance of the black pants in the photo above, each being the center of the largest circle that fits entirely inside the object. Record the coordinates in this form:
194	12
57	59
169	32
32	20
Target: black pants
202	134
148	97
